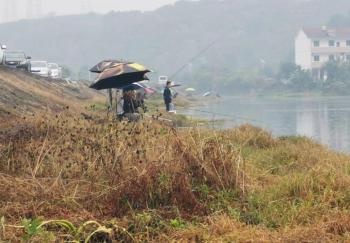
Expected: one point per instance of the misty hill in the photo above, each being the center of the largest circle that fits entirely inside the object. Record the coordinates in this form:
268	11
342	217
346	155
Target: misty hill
248	33
22	93
340	21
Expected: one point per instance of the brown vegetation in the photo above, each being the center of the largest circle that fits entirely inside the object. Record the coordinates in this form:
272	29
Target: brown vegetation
25	93
148	181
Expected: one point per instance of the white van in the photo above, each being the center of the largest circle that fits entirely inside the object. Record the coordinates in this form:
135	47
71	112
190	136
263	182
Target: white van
2	48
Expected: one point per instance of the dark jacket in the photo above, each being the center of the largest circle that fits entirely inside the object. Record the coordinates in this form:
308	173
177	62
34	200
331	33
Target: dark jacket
167	95
130	105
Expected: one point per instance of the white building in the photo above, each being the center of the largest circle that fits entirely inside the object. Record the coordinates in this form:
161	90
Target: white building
314	47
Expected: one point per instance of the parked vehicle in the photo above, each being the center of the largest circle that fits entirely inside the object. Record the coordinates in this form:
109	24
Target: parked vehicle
54	70
2	49
16	59
60	73
40	68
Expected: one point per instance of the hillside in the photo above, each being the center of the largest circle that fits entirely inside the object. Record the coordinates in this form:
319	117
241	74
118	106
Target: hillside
247	32
22	93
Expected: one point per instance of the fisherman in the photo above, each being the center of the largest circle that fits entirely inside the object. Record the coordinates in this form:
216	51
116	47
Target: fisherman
140	99
168	97
130	106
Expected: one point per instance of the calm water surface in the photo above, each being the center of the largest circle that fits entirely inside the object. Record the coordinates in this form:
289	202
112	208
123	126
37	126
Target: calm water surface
326	120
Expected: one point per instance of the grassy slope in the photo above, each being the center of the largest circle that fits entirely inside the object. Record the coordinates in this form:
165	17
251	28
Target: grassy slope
148	181
23	93
160	184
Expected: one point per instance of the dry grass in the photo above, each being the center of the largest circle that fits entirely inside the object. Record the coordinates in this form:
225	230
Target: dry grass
160	184
25	93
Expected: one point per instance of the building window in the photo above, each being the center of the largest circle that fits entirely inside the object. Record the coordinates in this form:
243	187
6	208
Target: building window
316	58
316	43
331	58
331	43
348	43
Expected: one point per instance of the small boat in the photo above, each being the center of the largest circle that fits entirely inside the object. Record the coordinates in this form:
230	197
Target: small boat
206	94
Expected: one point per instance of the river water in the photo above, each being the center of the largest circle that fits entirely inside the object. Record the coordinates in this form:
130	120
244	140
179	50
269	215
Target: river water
326	120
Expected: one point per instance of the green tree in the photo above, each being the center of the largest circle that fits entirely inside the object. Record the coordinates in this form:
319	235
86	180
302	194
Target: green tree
67	72
301	80
83	73
339	20
286	69
337	71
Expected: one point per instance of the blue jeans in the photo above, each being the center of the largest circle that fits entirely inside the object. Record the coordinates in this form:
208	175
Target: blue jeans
168	106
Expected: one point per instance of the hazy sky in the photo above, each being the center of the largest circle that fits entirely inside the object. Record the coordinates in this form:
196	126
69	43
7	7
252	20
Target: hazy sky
20	9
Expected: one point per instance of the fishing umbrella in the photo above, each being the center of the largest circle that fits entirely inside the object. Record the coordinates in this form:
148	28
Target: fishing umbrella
138	86
120	75
190	90
101	66
206	94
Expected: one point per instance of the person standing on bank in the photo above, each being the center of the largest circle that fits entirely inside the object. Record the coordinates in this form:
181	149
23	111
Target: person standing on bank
168	97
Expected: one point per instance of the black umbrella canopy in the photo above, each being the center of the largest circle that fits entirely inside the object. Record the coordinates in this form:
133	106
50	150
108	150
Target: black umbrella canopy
120	75
118	82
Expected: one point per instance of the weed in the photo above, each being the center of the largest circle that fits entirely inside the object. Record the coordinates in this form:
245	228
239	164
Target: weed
31	228
177	223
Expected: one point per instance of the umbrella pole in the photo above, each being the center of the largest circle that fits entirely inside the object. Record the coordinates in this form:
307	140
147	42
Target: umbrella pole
118	97
110	99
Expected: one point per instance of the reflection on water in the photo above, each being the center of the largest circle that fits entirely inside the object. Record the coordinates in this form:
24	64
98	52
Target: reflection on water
324	119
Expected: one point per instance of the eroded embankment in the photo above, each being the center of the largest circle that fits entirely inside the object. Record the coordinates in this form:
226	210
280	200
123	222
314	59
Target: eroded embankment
149	182
23	93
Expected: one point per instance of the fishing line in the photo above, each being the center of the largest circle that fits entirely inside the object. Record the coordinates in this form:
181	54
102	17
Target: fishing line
232	117
194	58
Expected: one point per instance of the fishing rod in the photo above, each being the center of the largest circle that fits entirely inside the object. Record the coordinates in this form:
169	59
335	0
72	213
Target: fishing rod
232	117
204	50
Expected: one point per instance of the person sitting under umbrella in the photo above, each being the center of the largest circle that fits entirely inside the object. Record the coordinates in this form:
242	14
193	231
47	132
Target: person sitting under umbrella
140	98
131	105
